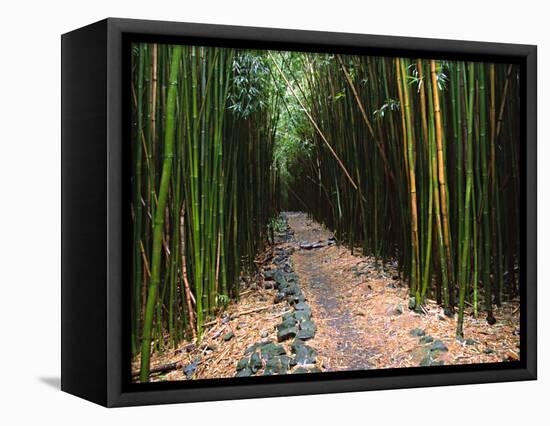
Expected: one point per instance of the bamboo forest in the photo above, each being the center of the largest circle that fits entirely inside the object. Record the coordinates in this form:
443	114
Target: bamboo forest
296	213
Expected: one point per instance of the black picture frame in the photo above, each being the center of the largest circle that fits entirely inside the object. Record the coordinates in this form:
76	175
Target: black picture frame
95	358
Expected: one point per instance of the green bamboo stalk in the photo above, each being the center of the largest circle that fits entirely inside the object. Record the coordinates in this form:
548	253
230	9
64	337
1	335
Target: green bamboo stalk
159	217
426	276
467	203
137	203
486	226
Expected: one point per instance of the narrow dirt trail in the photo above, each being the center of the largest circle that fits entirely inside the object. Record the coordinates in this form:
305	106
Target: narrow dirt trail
360	307
342	348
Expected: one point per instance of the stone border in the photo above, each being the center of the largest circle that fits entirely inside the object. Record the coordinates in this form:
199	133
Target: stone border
267	357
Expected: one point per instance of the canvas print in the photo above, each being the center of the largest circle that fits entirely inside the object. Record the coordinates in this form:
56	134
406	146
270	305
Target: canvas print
304	213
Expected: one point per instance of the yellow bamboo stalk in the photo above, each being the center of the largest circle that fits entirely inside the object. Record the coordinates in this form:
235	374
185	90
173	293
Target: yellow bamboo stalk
407	137
441	165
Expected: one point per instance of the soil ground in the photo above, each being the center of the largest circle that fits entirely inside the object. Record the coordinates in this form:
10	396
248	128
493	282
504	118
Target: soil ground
360	309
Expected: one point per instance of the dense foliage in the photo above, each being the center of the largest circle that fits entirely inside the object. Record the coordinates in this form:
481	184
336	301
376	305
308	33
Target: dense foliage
428	174
413	161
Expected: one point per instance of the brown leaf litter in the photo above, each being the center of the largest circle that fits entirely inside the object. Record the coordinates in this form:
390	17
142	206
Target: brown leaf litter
361	313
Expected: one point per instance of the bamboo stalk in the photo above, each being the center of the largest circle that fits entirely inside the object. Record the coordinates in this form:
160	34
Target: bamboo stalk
441	171
321	134
159	217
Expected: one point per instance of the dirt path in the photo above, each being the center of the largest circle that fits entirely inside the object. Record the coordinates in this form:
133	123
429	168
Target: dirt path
361	310
338	340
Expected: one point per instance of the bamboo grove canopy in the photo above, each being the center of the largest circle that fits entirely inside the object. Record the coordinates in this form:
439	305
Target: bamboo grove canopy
412	161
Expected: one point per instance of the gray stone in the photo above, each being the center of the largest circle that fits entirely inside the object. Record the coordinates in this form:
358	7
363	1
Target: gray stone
252	348
294	345
438	345
306	370
305	334
449	312
302	315
189	369
243	362
308	325
291	290
426	361
282	285
417	332
426	339
287	323
295	299
307	330
470	341
271	350
291	277
489	351
292	361
277	365
302	306
429	362
288	315
264	334
286	333
228	336
278	276
255	362
245	372
279	297
269	275
305	354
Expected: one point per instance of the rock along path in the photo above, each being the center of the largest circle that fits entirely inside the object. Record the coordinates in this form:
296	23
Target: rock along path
315	307
265	357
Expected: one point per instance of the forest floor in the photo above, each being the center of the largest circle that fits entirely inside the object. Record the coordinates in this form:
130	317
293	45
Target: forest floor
359	308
